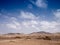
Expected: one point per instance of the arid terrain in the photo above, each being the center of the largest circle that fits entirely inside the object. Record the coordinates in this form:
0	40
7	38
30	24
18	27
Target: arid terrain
36	38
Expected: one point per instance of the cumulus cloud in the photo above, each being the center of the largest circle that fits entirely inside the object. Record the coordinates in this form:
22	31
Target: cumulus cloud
49	26
13	23
41	26
40	3
11	26
27	15
57	13
33	24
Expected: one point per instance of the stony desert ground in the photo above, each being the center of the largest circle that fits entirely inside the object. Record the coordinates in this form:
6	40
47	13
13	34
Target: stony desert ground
30	39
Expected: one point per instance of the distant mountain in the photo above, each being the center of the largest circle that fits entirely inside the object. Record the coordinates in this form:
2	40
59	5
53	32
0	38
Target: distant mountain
57	32
13	34
41	32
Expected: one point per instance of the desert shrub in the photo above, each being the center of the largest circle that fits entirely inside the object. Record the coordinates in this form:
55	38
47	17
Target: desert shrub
27	37
11	41
47	38
38	37
18	37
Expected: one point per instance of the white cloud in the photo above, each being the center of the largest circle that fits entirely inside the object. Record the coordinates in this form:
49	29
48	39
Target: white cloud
32	25
13	23
11	26
40	3
57	13
13	19
45	25
41	26
27	15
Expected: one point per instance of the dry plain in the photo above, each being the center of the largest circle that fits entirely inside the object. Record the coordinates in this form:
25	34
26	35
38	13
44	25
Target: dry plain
30	39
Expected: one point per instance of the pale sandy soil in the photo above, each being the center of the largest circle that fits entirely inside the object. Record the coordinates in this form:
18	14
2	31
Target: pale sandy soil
28	42
31	39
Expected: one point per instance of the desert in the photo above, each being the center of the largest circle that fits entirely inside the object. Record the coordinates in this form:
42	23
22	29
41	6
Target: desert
37	38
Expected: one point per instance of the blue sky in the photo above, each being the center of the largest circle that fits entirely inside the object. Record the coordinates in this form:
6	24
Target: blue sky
27	16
